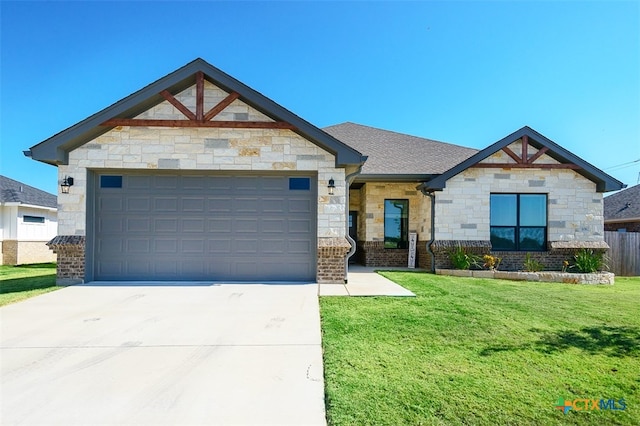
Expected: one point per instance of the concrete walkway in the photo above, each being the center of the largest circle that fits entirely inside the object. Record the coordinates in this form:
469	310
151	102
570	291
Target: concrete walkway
134	353
363	281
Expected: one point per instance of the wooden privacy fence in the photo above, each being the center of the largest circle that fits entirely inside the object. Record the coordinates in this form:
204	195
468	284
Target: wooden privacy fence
625	252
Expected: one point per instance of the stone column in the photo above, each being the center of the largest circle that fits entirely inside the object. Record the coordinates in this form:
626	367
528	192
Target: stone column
70	250
332	255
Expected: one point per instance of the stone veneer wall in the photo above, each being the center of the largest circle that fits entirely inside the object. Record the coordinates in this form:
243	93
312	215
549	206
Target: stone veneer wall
70	250
9	252
202	149
575	209
30	252
370	246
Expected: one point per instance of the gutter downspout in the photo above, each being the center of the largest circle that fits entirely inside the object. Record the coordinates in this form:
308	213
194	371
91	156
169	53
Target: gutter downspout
432	196
348	179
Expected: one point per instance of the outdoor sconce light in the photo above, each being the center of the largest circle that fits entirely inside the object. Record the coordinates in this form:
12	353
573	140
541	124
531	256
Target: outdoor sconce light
67	183
332	186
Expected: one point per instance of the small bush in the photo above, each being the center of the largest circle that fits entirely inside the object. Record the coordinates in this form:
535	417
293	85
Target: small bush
463	260
587	261
532	265
491	262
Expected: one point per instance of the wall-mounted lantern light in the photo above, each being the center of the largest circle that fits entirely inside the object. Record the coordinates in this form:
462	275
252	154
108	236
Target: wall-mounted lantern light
67	183
332	186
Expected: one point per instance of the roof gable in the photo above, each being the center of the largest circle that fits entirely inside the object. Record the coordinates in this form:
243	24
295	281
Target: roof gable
55	149
12	191
546	148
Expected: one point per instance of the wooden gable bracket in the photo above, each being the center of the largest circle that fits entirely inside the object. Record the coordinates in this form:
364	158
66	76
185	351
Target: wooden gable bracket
524	162
200	118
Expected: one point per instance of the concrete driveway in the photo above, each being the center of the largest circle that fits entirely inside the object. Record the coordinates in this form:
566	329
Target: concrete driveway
126	353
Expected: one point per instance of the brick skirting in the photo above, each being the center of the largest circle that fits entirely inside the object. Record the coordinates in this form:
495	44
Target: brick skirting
552	259
332	255
70	250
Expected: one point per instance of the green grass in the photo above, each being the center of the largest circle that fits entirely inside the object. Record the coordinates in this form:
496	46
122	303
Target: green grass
25	281
482	352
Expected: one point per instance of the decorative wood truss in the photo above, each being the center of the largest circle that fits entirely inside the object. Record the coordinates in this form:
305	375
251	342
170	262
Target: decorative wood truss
524	161
200	118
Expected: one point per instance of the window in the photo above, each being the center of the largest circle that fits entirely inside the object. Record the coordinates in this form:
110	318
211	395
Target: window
396	224
32	219
107	181
299	184
519	222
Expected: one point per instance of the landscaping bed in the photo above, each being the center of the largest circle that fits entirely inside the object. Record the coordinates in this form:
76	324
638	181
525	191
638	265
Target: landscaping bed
546	276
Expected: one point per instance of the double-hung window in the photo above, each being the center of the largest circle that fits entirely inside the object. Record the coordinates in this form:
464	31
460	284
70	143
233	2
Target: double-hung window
519	222
396	224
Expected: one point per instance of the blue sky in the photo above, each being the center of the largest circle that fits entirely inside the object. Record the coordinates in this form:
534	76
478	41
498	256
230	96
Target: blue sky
468	73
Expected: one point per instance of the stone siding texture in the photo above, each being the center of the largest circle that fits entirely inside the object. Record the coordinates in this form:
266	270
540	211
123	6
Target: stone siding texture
34	252
575	209
199	149
9	252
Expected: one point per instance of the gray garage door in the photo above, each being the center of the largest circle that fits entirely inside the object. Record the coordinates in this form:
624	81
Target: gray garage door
223	228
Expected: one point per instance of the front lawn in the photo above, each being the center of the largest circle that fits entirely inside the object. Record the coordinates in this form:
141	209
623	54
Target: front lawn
480	351
25	281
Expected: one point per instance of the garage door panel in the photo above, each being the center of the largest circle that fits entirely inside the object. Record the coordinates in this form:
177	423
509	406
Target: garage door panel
138	203
299	226
111	224
193	204
192	246
165	245
165	204
221	204
220	225
165	182
219	245
243	226
300	206
275	226
299	247
192	227
166	224
137	246
111	203
138	224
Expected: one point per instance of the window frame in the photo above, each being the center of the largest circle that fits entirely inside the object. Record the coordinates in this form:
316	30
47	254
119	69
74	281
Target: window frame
403	243
40	220
518	227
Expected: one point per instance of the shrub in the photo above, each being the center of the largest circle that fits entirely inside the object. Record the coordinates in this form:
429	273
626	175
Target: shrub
587	261
532	265
491	262
463	260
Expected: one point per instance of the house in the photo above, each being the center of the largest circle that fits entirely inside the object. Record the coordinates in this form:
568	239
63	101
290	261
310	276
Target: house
28	219
199	177
622	210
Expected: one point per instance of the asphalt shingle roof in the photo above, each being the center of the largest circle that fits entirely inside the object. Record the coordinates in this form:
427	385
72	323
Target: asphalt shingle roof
392	153
623	205
12	191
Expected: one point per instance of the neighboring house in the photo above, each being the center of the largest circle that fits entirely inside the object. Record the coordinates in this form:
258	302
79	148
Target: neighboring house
622	210
28	219
199	177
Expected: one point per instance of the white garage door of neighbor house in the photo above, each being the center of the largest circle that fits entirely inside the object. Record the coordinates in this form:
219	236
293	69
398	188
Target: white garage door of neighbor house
215	227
